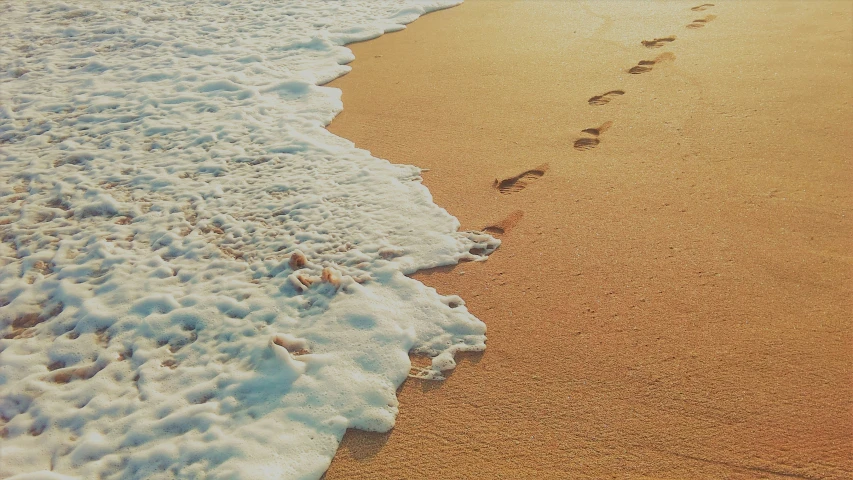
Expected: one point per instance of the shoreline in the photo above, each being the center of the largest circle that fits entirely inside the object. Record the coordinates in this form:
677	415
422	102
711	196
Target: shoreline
672	296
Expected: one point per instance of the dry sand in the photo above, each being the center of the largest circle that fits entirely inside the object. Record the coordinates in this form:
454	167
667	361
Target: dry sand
674	302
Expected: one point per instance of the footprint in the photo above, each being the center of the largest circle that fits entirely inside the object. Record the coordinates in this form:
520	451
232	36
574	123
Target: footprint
644	66
588	143
605	98
658	42
702	7
598	131
505	225
520	181
699	23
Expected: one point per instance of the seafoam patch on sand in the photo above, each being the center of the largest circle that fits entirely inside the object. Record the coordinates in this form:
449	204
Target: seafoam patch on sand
196	278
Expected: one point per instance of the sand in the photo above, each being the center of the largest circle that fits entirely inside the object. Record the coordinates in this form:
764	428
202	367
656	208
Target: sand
672	298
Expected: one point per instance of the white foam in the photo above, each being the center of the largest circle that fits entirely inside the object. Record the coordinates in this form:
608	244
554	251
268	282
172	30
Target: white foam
160	162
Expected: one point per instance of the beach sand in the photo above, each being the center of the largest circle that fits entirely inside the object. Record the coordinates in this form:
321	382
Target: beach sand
672	298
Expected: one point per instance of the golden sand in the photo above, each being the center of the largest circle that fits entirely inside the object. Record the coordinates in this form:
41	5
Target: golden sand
672	184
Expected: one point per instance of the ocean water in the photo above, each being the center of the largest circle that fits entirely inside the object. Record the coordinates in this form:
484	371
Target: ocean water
197	280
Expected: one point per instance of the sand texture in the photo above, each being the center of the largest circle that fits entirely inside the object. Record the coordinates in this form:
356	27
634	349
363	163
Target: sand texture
673	187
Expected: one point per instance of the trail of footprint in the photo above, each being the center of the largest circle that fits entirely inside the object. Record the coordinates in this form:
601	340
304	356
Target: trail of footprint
604	98
505	225
658	42
644	66
702	7
519	182
588	143
701	22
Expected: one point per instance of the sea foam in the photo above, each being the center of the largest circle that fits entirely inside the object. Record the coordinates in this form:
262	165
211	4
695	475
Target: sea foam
196	278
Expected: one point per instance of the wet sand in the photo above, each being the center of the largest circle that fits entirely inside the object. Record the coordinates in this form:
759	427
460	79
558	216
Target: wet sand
672	298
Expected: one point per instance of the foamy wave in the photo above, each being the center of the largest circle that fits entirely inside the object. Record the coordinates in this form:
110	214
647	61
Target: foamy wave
196	278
